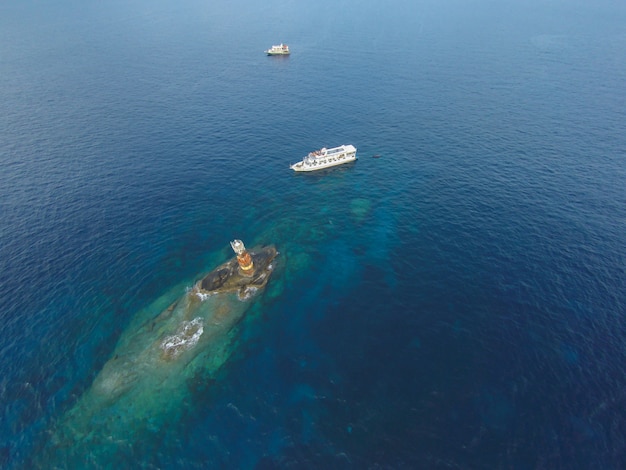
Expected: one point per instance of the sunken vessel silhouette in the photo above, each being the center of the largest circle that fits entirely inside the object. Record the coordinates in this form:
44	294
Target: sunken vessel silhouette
146	384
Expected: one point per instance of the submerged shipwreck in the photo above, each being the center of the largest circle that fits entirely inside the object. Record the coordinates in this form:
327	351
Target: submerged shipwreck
144	385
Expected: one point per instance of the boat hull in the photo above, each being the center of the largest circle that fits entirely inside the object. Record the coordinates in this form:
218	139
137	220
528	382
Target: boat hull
326	158
280	49
302	167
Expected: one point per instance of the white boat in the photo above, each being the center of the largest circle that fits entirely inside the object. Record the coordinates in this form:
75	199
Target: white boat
281	49
326	158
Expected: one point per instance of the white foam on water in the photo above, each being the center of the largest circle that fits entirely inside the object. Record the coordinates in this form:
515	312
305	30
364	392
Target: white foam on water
202	295
247	293
185	338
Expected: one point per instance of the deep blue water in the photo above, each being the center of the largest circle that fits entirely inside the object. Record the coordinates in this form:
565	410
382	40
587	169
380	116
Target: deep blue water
458	302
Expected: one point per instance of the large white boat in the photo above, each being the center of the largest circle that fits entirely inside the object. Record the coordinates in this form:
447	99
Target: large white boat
281	49
325	158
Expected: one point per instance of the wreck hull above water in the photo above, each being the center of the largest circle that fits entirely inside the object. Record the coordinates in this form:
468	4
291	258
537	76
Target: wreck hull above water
229	277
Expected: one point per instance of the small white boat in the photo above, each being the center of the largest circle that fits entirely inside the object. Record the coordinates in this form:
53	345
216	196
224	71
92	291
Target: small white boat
326	158
281	49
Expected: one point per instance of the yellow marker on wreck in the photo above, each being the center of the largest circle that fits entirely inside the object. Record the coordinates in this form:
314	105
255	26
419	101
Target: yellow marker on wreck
243	257
144	385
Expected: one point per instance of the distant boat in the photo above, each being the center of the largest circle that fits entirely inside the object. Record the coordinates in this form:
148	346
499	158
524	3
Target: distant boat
281	49
326	158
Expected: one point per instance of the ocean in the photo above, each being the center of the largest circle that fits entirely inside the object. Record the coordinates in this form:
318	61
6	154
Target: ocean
457	302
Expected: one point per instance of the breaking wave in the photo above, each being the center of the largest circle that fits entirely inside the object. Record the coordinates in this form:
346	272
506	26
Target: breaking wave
185	338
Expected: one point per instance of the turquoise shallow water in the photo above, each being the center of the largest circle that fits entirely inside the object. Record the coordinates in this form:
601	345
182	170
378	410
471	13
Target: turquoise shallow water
457	302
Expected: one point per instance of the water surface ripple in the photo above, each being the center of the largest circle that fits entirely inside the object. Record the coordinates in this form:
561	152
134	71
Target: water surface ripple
458	302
